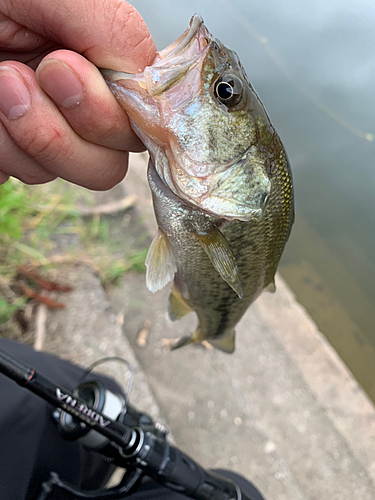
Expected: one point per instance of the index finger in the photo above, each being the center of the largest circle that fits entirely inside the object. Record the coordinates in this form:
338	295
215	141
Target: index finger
110	33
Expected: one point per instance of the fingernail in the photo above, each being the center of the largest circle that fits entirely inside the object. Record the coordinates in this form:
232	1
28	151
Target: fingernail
60	83
14	96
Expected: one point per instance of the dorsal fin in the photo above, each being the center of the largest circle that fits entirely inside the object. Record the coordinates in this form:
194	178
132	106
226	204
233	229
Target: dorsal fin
160	263
222	258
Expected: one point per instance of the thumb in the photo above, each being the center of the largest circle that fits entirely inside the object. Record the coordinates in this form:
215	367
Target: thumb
110	33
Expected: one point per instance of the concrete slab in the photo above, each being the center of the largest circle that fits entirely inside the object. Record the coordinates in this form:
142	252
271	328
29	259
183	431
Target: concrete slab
257	411
87	330
284	410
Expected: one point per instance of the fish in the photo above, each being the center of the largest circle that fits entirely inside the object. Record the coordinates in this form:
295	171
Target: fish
220	179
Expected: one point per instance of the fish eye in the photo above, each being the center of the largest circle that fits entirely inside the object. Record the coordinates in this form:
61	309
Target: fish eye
229	89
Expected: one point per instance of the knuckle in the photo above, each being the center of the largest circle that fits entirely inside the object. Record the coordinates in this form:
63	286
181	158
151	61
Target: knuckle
15	163
45	145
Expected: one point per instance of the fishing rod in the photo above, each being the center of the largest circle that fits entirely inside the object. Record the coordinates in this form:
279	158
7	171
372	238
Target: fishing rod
108	425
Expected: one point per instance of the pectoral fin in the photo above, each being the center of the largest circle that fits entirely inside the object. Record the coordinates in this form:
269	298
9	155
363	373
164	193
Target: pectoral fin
222	258
160	263
177	307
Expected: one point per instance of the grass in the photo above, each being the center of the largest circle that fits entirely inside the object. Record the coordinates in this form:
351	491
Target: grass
111	257
7	309
31	215
28	216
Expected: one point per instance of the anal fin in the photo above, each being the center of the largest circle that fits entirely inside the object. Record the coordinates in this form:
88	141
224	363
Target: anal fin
160	263
177	307
271	287
225	344
222	258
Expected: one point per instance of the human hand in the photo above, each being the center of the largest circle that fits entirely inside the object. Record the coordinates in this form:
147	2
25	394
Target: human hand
62	120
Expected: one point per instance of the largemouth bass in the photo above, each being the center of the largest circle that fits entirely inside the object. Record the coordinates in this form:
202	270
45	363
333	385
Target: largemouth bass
220	179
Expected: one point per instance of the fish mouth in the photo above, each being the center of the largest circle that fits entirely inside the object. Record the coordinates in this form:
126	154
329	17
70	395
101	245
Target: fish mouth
180	50
185	40
172	65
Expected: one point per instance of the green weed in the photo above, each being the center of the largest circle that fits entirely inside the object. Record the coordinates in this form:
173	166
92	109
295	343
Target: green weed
12	204
30	216
8	309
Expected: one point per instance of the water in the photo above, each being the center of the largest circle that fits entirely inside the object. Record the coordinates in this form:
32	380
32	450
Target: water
313	66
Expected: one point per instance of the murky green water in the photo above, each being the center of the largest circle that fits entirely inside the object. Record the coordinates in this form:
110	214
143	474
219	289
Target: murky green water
313	66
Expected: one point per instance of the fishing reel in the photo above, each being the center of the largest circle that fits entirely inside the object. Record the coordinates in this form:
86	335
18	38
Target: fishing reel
128	438
94	400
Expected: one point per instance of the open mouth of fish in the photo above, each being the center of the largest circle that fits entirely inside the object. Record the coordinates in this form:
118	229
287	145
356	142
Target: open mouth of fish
235	189
184	41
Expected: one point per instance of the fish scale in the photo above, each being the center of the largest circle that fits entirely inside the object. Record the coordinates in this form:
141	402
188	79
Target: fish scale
220	180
